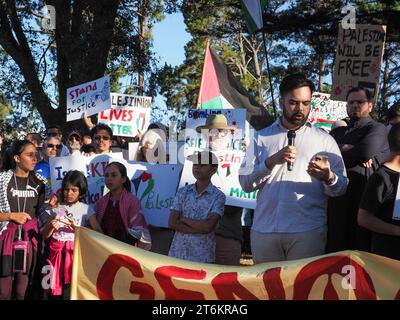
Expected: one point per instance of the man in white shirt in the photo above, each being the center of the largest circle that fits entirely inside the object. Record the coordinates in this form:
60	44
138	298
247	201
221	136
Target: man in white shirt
290	215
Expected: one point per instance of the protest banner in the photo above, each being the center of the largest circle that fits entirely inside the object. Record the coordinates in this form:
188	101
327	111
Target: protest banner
92	167
155	185
107	269
230	155
128	114
90	98
358	59
325	111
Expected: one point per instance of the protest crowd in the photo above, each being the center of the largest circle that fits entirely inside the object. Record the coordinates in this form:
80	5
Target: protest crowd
319	179
317	192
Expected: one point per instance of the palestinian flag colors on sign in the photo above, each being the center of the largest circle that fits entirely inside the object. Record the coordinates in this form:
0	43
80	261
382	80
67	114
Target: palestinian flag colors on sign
253	14
220	89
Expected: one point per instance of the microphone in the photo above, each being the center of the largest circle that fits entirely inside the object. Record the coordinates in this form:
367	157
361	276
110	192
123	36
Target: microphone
291	136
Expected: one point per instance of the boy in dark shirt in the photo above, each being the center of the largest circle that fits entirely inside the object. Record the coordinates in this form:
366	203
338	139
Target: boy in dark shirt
377	211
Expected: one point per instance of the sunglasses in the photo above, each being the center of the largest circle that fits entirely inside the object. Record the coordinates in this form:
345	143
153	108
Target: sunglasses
74	137
105	138
52	146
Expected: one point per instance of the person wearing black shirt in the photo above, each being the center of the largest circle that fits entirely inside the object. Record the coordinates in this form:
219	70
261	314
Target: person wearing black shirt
377	211
21	193
364	148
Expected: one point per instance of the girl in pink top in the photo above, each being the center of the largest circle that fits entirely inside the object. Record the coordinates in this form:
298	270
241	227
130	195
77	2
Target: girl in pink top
58	227
118	212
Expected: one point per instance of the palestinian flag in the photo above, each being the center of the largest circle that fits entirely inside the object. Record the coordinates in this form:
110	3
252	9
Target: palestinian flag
220	89
253	14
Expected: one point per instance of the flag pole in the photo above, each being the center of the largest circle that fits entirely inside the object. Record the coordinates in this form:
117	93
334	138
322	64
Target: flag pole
269	74
202	74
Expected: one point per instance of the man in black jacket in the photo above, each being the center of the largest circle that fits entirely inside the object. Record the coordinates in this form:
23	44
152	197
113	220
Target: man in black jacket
364	148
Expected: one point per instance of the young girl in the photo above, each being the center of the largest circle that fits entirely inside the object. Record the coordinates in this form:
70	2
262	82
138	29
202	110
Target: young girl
58	224
118	212
21	192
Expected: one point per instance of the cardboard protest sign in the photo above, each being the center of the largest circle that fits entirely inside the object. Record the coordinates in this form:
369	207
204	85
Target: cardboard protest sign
230	154
325	111
358	59
90	98
92	167
128	114
235	118
226	179
155	185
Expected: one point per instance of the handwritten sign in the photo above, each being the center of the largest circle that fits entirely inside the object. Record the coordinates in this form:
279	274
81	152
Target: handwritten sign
148	183
325	111
358	59
92	167
226	179
235	118
128	114
90	98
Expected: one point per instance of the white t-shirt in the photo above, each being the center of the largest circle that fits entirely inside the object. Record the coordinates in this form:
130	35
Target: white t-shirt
80	213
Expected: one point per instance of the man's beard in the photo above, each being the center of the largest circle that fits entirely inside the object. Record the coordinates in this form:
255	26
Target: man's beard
293	120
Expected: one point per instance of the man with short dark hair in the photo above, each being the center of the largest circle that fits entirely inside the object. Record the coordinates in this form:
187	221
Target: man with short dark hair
364	147
293	181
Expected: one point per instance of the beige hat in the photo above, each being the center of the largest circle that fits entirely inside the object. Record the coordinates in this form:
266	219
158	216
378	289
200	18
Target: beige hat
216	121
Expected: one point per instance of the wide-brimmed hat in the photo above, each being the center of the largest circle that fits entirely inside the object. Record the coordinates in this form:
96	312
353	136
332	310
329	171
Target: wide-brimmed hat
215	121
203	157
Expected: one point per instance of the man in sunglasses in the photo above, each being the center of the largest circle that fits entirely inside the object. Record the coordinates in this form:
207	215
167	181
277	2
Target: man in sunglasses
51	148
74	143
102	137
364	147
55	131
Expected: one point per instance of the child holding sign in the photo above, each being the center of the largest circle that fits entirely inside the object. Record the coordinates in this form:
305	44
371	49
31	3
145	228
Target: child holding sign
118	212
58	224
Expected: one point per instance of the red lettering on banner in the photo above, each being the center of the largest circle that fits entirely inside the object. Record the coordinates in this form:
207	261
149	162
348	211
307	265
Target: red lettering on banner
305	279
164	277
226	286
273	284
106	277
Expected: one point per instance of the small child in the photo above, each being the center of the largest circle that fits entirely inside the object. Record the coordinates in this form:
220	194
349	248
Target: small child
118	213
58	226
195	212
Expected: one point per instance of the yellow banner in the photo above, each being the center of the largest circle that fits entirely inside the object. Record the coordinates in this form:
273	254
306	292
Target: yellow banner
105	268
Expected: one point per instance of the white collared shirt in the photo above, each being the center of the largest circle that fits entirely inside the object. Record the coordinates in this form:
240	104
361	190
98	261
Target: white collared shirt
291	201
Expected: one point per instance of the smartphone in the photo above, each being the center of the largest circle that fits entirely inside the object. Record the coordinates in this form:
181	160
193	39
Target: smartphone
20	250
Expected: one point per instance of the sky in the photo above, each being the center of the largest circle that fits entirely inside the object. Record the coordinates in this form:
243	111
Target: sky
170	38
